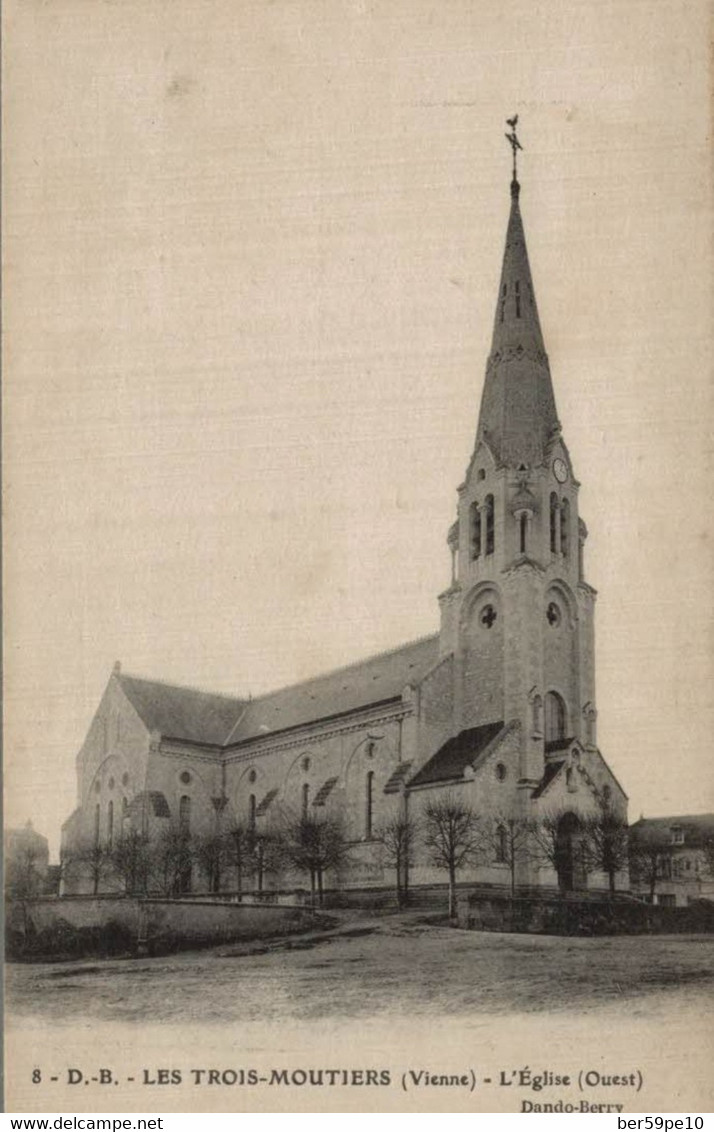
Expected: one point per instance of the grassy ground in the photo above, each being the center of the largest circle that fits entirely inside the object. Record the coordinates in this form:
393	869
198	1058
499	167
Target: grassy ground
371	965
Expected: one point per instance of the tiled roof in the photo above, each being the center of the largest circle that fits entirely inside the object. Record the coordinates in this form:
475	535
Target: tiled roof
551	771
205	717
397	778
696	828
266	803
183	713
557	745
459	752
155	799
324	792
379	678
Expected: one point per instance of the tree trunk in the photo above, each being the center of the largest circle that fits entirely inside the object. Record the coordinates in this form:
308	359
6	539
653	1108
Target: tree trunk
312	887
611	878
319	887
239	870
452	892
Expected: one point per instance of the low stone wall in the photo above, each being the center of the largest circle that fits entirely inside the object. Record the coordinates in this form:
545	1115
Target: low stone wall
103	925
556	916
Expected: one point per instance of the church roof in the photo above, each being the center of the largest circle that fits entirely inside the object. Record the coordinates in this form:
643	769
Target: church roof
206	717
518	414
466	749
183	713
381	677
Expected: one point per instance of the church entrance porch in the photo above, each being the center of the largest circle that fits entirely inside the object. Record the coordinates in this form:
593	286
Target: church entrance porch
570	853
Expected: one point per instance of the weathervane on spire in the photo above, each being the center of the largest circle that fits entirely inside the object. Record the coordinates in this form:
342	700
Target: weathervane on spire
513	142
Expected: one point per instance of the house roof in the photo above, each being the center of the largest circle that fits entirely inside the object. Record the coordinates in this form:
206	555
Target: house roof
153	798
553	745
324	792
397	778
552	770
381	677
467	748
183	713
697	830
266	803
207	717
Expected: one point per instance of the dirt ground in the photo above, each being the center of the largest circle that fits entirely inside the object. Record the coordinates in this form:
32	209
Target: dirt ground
370	966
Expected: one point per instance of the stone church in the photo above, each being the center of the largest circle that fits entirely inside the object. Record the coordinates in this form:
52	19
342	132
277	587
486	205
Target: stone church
498	708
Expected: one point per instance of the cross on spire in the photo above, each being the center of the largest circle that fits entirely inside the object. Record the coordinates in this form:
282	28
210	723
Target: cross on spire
514	144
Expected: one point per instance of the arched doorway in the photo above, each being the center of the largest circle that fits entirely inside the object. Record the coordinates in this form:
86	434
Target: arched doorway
569	863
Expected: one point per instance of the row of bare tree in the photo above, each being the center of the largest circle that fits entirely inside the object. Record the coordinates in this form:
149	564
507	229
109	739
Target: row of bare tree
454	835
449	834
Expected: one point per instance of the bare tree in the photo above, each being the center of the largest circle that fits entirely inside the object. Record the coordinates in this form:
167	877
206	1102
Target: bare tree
93	859
173	853
239	841
267	854
645	864
24	876
313	845
606	842
212	853
130	861
451	838
549	845
398	838
509	842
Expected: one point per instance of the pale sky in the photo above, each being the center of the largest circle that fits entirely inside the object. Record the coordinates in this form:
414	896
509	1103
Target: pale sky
251	256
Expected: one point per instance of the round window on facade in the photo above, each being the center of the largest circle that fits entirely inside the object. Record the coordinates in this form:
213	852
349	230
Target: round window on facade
185	777
252	776
553	614
501	772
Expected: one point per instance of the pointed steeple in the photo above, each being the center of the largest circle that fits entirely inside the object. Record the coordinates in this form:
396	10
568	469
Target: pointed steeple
518	414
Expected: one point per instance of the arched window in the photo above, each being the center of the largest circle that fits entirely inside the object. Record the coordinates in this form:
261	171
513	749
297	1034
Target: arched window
475	529
564	527
110	825
185	814
501	844
490	532
369	802
251	813
524	530
305	799
555	717
553	522
537	715
518	299
96	823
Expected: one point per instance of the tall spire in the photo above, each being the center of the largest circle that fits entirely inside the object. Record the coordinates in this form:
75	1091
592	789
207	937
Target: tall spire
518	413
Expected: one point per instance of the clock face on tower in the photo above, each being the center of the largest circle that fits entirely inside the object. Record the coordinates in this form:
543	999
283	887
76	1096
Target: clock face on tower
560	470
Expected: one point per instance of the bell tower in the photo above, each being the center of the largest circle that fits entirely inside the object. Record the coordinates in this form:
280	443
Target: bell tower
518	617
